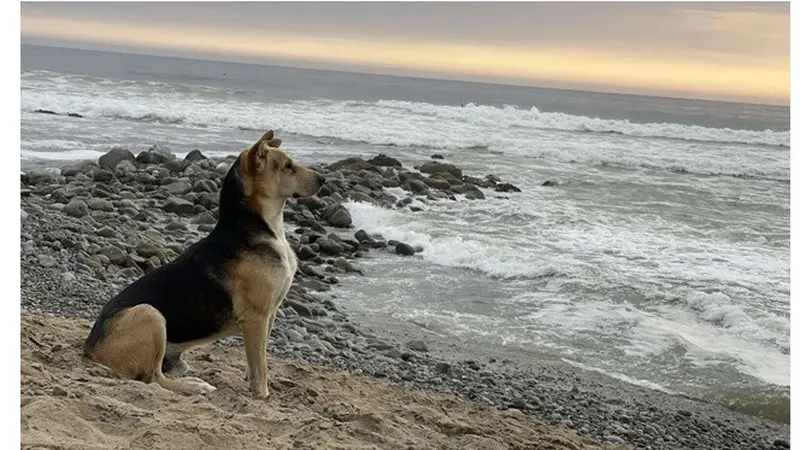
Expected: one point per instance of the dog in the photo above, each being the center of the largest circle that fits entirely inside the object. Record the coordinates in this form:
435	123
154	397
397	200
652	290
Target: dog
232	281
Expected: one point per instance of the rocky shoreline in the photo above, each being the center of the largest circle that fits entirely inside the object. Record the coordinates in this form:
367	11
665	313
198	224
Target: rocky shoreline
91	228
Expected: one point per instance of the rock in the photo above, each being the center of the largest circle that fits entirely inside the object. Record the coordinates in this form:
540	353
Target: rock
417	345
404	249
438	167
506	187
152	157
59	391
780	443
330	247
444	368
474	195
45	111
46	261
194	155
437	156
338	216
102	175
363	236
385	161
178	205
204	186
294	335
206	218
99	204
74	115
115	156
147	250
417	186
114	254
179	187
354	164
106	232
125	167
436	183
346	266
23	214
550	183
75	208
305	253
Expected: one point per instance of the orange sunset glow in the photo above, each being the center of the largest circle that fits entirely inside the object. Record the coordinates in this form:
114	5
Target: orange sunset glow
712	71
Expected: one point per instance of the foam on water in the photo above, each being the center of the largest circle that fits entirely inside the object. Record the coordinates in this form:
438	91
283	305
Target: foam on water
443	248
527	133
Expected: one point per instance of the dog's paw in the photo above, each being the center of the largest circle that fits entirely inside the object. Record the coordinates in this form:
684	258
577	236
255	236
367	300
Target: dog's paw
198	386
260	394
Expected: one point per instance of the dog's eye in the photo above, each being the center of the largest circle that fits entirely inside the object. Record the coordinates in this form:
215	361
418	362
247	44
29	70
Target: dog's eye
289	165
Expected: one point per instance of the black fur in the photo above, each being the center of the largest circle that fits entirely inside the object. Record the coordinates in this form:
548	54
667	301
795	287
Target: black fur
190	291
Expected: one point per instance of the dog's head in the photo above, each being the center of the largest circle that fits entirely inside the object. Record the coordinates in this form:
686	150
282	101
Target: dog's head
270	172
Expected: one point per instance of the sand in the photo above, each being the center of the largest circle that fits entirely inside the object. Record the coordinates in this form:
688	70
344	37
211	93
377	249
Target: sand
67	403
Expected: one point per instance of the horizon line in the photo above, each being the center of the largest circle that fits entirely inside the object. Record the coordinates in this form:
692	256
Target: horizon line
207	58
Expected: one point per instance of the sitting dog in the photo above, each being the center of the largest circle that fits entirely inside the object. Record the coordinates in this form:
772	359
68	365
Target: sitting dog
232	281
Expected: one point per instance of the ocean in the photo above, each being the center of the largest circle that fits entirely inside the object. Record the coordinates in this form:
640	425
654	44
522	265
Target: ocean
660	258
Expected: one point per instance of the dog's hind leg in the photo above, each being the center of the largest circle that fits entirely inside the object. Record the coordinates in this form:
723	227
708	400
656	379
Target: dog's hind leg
134	346
173	363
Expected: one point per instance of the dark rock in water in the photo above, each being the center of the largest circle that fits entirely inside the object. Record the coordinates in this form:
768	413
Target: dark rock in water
346	266
361	197
313	203
550	183
363	236
178	206
350	164
437	156
115	156
437	183
417	345
437	167
474	195
338	216
76	208
75	115
506	187
45	111
385	161
417	186
330	247
404	249
194	155
305	253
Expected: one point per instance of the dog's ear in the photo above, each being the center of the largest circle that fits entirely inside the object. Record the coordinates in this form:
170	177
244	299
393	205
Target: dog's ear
267	136
274	143
258	158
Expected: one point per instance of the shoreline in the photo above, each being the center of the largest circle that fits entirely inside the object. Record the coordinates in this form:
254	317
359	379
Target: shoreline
313	330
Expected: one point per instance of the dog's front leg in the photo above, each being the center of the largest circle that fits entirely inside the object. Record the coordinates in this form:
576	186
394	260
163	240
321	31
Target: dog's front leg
255	346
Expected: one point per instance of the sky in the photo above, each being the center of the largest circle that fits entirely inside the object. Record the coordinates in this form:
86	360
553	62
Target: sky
717	51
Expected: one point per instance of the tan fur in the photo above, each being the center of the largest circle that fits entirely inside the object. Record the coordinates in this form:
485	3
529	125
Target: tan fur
135	343
134	346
